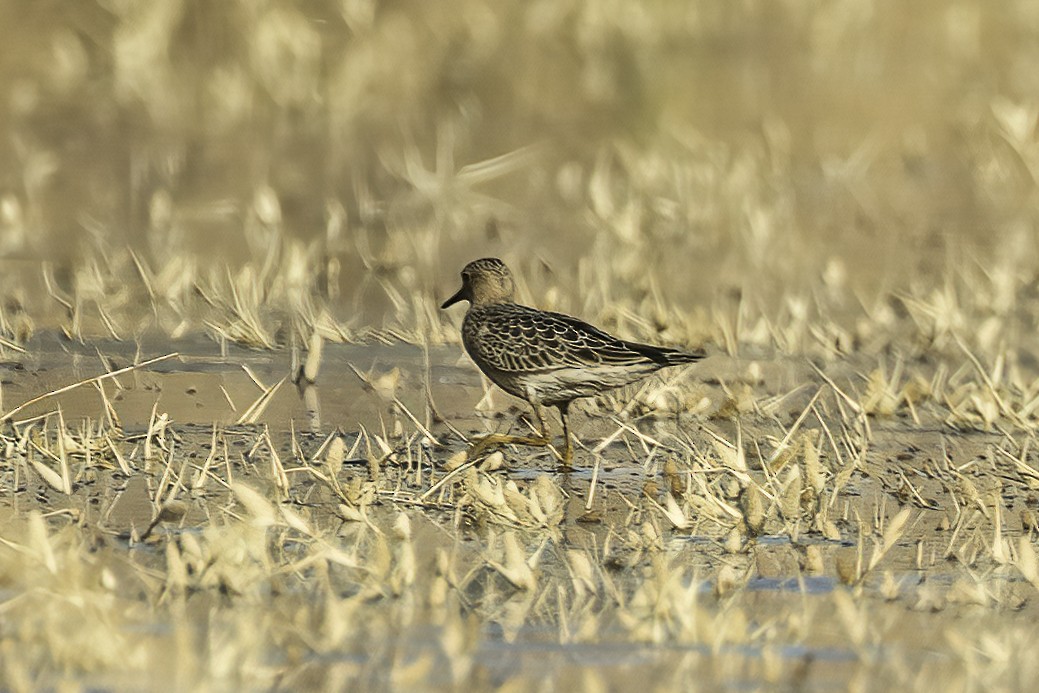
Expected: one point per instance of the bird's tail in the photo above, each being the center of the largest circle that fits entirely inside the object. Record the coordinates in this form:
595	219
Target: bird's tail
666	356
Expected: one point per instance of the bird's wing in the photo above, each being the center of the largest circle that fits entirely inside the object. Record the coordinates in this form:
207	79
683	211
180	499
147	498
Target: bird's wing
520	339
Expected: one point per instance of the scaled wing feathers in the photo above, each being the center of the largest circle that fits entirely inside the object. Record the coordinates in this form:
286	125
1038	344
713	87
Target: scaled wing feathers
522	339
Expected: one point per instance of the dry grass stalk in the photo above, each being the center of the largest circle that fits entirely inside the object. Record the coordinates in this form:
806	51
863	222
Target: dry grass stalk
259	405
61	390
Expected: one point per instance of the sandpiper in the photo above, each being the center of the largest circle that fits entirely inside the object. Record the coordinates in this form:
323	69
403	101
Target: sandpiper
543	357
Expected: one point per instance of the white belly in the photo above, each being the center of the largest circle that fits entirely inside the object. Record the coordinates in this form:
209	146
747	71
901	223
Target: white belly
565	384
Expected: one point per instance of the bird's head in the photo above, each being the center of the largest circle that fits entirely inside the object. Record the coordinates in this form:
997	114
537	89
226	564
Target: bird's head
484	282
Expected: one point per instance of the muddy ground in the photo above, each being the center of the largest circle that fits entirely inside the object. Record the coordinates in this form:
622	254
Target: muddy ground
768	535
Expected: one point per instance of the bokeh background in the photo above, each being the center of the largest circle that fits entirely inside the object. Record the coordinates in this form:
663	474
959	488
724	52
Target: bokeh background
836	198
710	171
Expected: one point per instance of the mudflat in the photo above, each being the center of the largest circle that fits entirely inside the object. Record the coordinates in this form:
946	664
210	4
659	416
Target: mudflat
195	521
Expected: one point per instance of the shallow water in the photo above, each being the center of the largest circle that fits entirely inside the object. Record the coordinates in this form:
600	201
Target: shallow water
783	598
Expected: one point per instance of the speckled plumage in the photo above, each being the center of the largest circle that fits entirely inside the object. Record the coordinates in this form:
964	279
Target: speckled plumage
550	358
544	357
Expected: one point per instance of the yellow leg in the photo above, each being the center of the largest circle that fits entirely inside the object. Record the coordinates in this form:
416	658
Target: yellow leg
568	449
544	440
542	426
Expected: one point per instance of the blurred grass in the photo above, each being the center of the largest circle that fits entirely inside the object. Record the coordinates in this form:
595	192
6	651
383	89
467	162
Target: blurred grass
794	177
633	161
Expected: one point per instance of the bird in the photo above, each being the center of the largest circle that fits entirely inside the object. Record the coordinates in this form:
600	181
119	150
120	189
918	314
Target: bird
543	357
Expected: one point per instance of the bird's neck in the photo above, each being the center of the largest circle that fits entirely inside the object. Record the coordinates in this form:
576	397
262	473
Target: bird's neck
484	303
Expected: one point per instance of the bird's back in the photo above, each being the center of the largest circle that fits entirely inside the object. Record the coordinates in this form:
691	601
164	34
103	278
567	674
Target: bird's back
551	357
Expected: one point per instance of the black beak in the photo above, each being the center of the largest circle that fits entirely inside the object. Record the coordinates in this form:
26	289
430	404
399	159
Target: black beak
461	295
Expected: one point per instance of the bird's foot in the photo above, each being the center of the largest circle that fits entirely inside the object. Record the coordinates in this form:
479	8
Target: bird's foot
495	440
566	460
